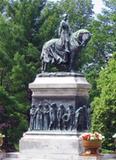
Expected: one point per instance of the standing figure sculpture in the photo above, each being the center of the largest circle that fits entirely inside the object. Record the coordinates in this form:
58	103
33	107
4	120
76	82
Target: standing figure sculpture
39	118
60	113
66	119
33	117
86	117
81	118
53	117
71	113
64	33
46	117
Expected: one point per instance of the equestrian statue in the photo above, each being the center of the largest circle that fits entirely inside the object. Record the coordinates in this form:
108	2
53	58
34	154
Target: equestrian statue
62	51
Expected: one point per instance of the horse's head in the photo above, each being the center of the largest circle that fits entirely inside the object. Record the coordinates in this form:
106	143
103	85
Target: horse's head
82	36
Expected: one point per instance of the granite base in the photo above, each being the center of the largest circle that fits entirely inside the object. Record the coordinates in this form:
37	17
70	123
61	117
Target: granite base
50	145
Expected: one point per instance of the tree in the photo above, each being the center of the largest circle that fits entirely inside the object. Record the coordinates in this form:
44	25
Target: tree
102	44
104	105
19	55
80	12
103	40
12	119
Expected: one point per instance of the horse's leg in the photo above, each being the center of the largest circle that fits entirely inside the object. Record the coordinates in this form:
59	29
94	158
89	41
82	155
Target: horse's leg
71	62
68	60
44	67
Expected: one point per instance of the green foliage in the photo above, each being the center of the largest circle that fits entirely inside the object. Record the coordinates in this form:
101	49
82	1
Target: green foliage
12	119
101	46
103	93
80	12
19	62
49	22
104	106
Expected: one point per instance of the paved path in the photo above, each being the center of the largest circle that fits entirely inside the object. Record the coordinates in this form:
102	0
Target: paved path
16	156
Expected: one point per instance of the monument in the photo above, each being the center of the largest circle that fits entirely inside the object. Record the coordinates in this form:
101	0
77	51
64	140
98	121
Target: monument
59	110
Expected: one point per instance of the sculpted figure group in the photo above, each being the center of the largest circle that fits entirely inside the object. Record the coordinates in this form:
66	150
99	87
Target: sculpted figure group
53	117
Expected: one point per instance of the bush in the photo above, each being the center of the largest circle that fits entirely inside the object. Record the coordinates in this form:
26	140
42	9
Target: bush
104	106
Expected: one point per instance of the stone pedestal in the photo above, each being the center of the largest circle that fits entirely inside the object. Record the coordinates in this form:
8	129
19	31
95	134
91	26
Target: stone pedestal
2	155
62	87
56	138
50	145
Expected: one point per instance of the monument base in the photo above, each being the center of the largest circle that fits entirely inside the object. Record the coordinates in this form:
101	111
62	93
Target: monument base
52	145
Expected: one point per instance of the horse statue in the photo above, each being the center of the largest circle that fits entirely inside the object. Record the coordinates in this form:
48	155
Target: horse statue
54	53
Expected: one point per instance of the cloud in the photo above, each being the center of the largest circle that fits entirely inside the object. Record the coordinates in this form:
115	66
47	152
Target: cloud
98	5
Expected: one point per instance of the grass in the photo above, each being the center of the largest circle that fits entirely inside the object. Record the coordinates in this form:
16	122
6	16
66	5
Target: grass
106	151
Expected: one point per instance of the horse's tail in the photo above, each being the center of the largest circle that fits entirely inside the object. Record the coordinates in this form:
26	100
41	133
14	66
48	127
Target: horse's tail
43	53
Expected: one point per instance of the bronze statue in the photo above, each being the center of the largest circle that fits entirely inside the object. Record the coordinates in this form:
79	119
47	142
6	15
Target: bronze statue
66	119
64	33
60	113
54	53
71	113
39	117
81	118
53	117
33	110
86	117
46	117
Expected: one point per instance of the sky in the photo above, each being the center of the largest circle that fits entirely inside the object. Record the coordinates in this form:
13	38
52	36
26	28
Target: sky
98	5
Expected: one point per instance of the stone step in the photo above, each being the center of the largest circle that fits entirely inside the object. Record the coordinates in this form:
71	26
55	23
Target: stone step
2	155
78	158
11	159
12	155
16	156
